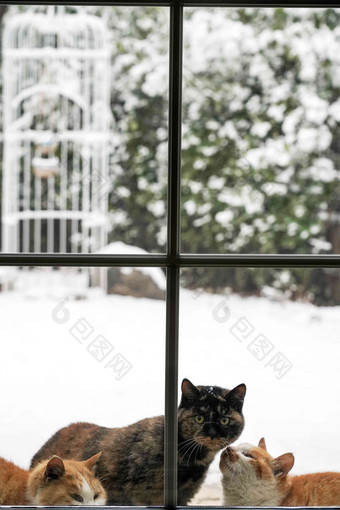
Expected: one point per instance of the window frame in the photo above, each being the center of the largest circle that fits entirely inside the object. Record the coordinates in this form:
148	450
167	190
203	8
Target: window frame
173	260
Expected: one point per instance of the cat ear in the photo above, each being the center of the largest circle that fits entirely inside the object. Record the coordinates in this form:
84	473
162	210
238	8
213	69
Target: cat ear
189	391
238	393
54	469
283	464
262	444
92	461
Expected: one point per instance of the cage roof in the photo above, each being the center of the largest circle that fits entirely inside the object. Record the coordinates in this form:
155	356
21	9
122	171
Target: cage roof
67	26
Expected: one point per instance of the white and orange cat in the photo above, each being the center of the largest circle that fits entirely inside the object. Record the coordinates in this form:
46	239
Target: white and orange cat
51	482
252	477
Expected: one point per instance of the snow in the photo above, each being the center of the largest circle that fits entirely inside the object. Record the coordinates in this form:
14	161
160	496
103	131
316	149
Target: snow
207	35
246	231
199	222
292	229
216	183
228	130
319	245
6	275
224	217
49	379
157	208
162	236
199	164
316	108
156	82
291	121
334	110
261	224
119	248
300	211
323	170
273	152
249	198
276	112
195	187
261	129
224	59
310	138
190	207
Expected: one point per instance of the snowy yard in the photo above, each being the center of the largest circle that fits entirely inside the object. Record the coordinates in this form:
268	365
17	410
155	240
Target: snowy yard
50	379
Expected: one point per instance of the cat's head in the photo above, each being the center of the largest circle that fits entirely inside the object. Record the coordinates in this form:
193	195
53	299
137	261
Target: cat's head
252	477
210	415
65	482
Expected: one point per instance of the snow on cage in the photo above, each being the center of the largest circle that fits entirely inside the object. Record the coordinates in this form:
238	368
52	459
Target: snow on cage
56	90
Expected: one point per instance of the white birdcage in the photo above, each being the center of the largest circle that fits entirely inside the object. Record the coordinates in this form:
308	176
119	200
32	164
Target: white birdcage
56	93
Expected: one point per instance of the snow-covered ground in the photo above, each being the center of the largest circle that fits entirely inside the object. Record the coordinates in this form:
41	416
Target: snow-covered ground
50	376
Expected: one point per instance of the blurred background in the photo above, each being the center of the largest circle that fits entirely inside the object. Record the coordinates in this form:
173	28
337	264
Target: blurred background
85	135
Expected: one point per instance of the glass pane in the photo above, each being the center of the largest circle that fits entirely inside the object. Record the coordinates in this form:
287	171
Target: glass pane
282	341
84	160
74	354
260	131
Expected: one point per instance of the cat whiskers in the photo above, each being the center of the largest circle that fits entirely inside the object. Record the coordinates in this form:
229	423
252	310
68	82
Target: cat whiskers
184	442
196	447
185	446
201	440
198	451
189	446
237	470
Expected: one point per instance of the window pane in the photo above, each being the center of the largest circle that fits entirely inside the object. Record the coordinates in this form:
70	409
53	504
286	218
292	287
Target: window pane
84	162
260	131
72	353
284	345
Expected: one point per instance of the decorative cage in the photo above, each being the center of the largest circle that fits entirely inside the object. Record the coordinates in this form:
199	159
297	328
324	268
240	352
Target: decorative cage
56	90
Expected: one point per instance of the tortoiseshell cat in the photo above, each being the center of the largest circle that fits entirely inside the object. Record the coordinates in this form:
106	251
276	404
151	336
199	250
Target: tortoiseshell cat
252	477
51	482
131	464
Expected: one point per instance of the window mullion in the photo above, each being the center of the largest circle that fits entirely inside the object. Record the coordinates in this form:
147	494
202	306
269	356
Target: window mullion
173	250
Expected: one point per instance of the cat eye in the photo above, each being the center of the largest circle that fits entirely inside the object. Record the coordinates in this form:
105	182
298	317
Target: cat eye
77	497
95	496
224	421
247	454
199	418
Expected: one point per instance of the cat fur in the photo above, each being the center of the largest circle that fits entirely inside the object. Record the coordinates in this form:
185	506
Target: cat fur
51	482
252	477
131	467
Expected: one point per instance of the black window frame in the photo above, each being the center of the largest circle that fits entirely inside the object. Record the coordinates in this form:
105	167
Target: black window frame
173	260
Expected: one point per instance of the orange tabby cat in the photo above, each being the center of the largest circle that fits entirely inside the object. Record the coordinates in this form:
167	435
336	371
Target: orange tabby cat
52	482
252	477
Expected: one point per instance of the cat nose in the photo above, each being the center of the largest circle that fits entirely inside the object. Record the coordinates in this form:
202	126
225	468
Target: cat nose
230	453
212	432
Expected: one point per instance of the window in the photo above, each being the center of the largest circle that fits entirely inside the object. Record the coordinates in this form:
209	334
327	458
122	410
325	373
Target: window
218	252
